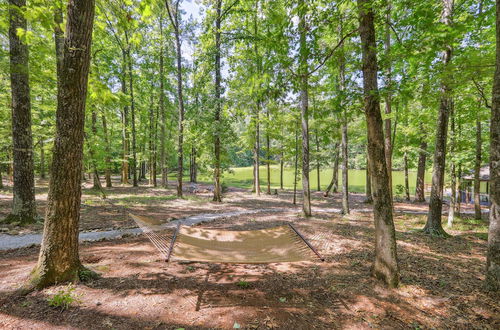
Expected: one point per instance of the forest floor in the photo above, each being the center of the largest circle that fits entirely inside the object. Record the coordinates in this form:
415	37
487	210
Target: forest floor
441	279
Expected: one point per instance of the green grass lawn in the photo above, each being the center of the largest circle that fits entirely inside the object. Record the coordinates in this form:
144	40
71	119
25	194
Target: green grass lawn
242	177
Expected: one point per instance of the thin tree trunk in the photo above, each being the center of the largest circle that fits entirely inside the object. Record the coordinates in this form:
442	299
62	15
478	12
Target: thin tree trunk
388	99
477	170
295	177
59	261
318	166
107	158
385	266
282	165
407	181
453	173
96	181
268	154
344	144
335	175
152	173
23	205
304	106
218	103
124	113
163	127
420	185
42	159
132	112
256	151
433	225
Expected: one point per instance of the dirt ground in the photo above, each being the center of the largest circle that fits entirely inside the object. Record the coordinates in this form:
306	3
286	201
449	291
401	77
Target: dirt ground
441	279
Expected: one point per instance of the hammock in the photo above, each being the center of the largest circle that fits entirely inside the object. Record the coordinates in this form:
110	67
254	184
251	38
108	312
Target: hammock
278	244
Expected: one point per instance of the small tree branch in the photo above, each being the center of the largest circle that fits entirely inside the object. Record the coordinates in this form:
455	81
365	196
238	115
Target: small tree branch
332	51
480	90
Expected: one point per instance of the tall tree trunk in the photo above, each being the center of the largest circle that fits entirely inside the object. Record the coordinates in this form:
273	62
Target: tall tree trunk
268	154
296	169
304	106
344	145
59	261
256	151
385	266
218	103
42	159
318	166
23	205
453	172
333	186
433	225
174	15
493	255
107	158
96	181
282	165
407	181
125	134
163	151
477	171
420	185
152	160
388	99
132	112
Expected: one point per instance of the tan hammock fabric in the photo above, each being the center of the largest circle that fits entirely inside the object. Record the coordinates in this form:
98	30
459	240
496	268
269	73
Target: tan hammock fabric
279	244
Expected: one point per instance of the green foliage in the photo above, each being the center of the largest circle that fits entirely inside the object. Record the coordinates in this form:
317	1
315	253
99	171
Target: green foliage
64	298
243	284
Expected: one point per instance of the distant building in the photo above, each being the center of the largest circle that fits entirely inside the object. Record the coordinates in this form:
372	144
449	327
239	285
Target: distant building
467	186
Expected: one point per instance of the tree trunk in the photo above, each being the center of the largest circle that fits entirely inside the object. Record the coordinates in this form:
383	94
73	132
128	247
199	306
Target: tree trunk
124	114
318	166
59	261
163	152
256	151
477	170
453	173
296	169
407	182
132	112
433	225
333	186
304	106
107	158
152	174
282	165
385	266
388	99
23	205
344	144
218	103
268	154
95	176
420	185
42	159
493	255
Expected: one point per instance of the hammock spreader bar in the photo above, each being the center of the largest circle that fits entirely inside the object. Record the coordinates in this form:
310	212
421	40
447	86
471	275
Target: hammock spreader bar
307	242
172	242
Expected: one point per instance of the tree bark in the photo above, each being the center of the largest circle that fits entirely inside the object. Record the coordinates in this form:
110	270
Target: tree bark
163	151
385	266
407	182
59	261
124	114
132	111
23	205
433	225
333	186
218	103
304	106
256	151
296	174
42	159
477	170
268	153
174	20
388	99
453	172
344	144
282	165
493	254
107	158
420	185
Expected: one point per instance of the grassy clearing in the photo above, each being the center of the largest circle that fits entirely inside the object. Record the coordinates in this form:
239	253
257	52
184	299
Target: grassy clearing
242	177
